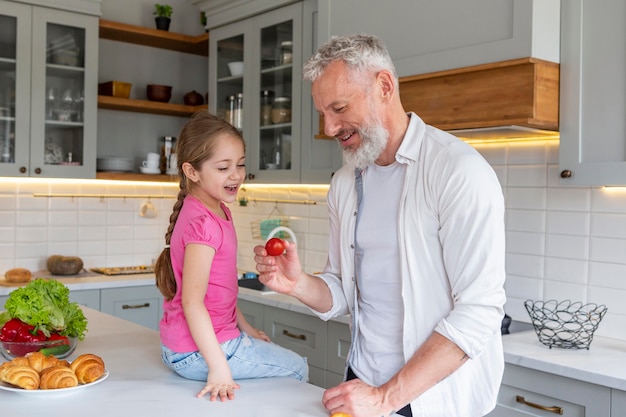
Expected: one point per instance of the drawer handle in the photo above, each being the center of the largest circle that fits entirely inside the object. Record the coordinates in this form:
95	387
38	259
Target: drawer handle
553	409
294	336
128	307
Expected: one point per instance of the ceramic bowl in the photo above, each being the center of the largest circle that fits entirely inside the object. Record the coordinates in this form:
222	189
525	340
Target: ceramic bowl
162	93
236	68
60	349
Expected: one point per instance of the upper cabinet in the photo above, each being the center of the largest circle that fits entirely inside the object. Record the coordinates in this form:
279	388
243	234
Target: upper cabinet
593	99
48	78
256	83
442	35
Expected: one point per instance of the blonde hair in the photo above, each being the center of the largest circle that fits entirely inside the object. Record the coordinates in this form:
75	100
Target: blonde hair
196	143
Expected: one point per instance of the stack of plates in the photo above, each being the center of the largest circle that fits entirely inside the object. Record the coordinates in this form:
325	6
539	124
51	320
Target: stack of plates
115	164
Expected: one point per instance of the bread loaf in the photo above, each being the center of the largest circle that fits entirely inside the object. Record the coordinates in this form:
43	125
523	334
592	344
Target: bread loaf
17	275
57	376
88	368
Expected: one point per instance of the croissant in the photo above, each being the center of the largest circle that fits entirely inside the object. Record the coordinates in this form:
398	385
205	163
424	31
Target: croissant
22	376
57	376
88	367
39	361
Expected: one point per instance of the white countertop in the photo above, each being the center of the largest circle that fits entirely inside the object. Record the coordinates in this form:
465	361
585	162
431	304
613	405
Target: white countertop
140	385
603	364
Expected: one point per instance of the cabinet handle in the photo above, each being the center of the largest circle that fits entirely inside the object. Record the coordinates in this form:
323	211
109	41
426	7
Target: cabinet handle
251	176
129	307
37	171
553	409
294	336
22	170
566	173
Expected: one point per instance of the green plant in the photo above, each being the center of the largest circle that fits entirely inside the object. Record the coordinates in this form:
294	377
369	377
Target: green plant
163	10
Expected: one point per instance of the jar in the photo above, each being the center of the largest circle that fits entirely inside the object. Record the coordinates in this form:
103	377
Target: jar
167	149
230	110
238	113
281	110
266	107
286	52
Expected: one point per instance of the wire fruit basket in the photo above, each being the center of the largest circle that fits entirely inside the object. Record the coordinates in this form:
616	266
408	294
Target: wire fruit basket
262	228
565	324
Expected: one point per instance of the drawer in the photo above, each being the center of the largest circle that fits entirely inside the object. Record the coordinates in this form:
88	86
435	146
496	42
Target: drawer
141	305
301	333
527	392
338	346
88	298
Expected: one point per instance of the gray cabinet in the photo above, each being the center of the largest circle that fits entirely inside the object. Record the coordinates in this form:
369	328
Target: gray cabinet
527	392
141	305
48	77
593	63
618	403
324	344
256	41
87	298
425	36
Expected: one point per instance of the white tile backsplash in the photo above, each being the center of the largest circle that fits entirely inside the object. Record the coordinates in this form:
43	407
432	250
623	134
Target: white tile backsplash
562	242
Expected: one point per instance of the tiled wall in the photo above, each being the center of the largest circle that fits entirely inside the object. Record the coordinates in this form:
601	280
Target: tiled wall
562	242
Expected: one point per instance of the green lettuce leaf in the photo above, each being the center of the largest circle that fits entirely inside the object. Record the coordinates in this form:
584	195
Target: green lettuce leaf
45	304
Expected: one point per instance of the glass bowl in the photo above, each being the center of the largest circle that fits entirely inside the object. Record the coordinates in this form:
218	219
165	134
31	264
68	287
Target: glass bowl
59	348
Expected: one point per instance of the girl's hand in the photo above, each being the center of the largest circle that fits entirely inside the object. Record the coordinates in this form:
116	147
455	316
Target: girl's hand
259	334
222	388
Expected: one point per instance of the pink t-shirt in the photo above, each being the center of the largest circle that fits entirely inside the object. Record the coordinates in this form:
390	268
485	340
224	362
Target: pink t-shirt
197	224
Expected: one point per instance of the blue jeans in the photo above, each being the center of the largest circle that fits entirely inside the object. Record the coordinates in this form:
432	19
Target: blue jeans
247	357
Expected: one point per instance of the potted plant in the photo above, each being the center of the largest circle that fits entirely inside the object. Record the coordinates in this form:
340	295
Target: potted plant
163	13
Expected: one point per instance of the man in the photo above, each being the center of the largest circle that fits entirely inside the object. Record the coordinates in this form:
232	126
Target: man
416	249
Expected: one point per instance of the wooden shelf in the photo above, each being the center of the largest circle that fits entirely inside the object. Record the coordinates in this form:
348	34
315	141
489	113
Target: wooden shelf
146	106
197	45
133	176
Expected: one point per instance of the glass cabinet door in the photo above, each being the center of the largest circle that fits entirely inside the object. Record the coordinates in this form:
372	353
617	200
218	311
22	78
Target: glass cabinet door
48	70
14	87
255	71
63	144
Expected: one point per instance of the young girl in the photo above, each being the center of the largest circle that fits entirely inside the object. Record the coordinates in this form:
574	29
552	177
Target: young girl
204	336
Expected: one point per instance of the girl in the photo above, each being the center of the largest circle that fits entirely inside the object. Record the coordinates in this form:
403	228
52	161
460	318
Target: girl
204	336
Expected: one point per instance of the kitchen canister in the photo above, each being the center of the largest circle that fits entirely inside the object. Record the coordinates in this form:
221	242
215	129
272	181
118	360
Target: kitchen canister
281	110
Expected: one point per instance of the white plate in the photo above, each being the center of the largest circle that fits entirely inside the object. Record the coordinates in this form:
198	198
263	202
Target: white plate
51	392
145	170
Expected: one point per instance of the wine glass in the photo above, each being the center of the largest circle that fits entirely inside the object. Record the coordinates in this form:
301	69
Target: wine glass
51	98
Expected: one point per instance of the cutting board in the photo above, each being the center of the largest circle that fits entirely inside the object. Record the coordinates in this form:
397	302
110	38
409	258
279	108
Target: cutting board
4	283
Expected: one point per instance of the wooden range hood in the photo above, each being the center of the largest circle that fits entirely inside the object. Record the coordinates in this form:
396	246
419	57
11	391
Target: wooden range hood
503	100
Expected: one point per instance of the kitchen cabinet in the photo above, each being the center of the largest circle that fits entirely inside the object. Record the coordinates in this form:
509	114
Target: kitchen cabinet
301	333
48	76
280	150
618	403
87	298
142	305
324	344
338	340
592	148
528	392
438	36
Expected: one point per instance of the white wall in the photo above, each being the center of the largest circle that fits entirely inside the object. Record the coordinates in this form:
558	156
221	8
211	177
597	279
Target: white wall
562	242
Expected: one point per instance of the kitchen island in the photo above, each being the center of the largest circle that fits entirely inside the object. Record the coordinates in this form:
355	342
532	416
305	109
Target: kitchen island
140	385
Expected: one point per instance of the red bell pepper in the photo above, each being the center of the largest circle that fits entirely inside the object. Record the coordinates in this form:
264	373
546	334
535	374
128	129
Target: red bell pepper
10	329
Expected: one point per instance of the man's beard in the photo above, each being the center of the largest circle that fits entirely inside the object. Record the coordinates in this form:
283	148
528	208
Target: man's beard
373	142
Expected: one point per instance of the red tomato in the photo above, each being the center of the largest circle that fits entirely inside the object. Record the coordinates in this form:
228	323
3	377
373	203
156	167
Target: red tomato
275	246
